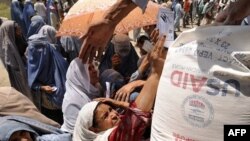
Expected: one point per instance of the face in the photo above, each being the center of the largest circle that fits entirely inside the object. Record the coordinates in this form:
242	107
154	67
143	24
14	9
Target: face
93	74
122	50
21	136
105	118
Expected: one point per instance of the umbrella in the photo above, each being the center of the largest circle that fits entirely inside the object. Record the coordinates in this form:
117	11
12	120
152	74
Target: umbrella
85	12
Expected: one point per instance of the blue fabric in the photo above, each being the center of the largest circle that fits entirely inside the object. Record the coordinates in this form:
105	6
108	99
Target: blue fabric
46	66
28	12
133	96
51	8
48	4
71	45
37	23
17	15
128	63
40	131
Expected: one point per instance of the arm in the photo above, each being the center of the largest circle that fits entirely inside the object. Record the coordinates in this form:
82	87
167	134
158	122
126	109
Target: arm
117	12
136	119
146	98
98	34
144	65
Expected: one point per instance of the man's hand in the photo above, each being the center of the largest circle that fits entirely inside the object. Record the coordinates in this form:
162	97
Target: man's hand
234	13
95	40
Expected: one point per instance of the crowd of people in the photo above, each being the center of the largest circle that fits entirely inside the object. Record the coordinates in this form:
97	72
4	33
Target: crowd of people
96	87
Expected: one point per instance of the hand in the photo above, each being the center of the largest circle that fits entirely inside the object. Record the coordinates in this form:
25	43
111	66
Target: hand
116	61
95	39
105	100
154	36
234	13
157	56
47	89
123	93
113	102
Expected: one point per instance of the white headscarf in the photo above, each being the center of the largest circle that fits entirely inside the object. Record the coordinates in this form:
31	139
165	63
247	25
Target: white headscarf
85	121
79	92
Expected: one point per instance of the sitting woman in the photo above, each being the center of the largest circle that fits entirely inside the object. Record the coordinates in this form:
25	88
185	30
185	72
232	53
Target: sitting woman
82	86
120	56
100	122
47	74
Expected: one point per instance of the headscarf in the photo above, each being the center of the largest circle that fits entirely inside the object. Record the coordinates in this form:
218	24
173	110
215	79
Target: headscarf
9	127
71	45
28	12
85	121
39	131
79	92
121	44
49	32
37	23
12	60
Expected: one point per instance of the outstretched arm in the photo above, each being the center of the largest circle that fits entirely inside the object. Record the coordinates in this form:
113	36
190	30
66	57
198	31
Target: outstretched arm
98	34
145	100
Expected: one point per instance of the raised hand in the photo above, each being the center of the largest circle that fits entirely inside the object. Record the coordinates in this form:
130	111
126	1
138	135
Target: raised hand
95	39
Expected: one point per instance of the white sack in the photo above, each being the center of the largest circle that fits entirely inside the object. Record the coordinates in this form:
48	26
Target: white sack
205	84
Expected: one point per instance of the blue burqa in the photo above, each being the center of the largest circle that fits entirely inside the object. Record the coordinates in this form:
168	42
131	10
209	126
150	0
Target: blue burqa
46	66
28	12
16	11
37	23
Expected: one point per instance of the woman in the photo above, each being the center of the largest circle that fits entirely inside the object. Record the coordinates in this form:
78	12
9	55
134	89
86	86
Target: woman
28	13
97	121
52	13
12	48
47	74
120	56
82	86
16	11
